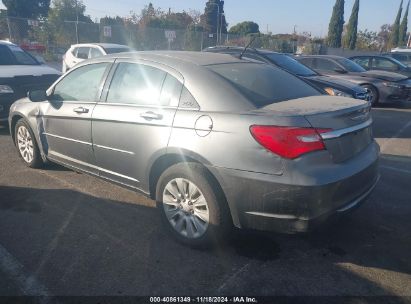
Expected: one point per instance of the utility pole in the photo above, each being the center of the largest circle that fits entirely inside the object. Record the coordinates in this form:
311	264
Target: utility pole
8	25
77	38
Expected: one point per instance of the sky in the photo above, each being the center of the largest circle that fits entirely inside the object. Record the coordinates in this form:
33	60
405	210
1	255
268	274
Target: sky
278	16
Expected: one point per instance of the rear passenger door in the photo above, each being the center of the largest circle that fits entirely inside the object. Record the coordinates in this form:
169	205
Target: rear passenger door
132	126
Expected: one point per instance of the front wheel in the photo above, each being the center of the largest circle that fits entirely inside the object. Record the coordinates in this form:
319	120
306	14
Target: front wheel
191	205
374	95
27	145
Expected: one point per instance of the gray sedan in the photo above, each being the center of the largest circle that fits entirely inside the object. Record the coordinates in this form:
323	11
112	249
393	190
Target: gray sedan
217	141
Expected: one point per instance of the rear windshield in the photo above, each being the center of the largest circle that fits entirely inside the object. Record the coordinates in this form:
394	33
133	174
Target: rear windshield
351	66
13	55
291	65
117	50
262	84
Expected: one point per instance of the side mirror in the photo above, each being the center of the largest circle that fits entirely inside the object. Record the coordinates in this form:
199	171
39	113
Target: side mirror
340	70
37	95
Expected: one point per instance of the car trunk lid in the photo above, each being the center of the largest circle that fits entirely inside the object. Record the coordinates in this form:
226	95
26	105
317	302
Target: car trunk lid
349	121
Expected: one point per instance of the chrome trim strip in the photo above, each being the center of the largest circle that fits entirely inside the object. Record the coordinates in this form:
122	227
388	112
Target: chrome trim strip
341	132
68	139
113	149
272	215
361	198
76	161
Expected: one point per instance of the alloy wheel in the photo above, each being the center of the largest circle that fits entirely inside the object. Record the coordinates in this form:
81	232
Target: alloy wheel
186	208
25	144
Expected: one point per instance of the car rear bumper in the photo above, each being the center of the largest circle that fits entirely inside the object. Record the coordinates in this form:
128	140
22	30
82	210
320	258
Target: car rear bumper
263	202
6	101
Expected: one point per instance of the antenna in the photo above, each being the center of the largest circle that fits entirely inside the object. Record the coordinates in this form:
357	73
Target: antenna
246	48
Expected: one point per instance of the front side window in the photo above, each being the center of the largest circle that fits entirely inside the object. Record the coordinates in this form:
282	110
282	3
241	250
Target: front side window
262	84
81	84
384	64
326	65
136	84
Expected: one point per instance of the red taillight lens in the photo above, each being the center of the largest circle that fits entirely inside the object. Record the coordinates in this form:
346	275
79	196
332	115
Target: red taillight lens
289	142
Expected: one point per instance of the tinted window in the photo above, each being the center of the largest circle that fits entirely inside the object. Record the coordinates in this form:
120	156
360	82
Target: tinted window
290	64
326	64
14	55
171	91
81	84
187	100
94	52
6	58
350	65
308	62
384	64
83	52
136	84
117	50
263	84
362	61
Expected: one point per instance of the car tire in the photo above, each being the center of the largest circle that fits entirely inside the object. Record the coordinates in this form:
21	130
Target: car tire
374	93
192	206
26	145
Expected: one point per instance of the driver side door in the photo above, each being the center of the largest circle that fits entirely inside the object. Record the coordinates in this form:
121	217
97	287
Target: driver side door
67	117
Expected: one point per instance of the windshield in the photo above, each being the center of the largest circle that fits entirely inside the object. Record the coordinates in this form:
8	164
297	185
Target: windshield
351	66
112	50
13	55
398	62
263	84
290	64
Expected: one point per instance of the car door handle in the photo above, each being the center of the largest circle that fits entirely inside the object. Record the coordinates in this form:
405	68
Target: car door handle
81	110
151	116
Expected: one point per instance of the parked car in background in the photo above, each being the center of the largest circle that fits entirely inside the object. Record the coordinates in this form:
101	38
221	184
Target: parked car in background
20	72
385	87
331	86
80	52
403	57
187	128
382	63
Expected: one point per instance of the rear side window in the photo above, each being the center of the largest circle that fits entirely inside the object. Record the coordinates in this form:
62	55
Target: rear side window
325	64
262	84
362	61
82	84
94	52
308	62
171	91
136	84
83	52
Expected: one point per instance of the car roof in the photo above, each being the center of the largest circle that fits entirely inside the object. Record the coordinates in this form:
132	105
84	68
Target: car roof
321	56
103	45
174	58
8	43
239	48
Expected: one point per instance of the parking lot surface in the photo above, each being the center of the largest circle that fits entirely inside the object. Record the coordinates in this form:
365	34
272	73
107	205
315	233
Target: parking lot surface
63	233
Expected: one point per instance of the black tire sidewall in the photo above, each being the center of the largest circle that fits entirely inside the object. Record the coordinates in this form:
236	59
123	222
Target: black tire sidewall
198	175
37	161
375	93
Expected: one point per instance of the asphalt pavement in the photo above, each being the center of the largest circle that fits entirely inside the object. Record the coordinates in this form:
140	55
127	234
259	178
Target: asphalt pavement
64	233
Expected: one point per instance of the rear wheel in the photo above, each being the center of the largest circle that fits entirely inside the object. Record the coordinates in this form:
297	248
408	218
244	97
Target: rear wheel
374	95
191	206
27	145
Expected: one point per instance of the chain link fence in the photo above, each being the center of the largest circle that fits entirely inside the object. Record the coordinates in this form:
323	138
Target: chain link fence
52	40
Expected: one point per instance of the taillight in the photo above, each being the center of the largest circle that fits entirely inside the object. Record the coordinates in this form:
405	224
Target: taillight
289	142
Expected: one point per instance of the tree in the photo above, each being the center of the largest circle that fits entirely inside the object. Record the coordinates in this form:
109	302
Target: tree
336	25
245	28
395	35
211	20
350	39
367	41
404	27
27	8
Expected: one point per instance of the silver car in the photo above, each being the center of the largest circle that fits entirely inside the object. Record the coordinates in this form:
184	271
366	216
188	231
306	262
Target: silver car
217	141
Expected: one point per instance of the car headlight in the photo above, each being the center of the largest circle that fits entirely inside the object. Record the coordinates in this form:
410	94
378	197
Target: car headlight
393	85
5	89
335	92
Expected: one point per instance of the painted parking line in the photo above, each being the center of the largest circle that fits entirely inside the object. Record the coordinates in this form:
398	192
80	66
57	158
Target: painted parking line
28	284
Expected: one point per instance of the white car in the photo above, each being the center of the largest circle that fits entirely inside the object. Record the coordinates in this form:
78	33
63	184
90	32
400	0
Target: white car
80	52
